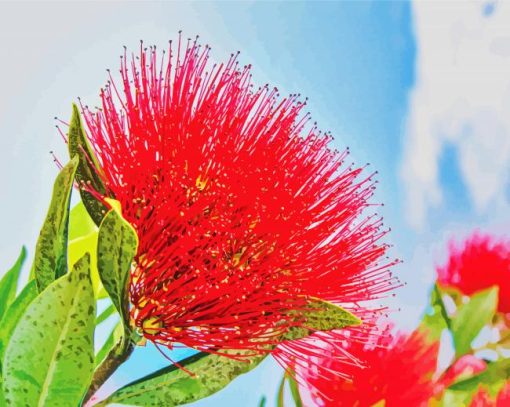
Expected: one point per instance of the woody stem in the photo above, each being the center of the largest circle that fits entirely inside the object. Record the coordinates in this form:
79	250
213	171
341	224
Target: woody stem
117	356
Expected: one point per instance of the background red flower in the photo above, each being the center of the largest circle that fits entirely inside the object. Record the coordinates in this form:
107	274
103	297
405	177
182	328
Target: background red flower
395	369
483	399
481	262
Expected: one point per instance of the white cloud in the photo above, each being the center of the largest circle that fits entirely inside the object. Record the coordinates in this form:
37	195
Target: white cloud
461	98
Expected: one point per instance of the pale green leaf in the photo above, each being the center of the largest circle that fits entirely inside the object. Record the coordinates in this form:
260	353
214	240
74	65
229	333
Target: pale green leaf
87	173
87	244
83	234
50	260
80	222
116	247
50	357
472	317
9	283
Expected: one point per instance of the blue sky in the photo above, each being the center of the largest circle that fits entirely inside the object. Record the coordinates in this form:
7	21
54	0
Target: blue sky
419	91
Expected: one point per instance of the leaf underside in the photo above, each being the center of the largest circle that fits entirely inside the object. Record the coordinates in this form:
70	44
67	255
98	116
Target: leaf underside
116	247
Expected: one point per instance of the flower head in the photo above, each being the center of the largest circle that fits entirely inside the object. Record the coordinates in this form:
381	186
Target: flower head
396	370
479	263
243	211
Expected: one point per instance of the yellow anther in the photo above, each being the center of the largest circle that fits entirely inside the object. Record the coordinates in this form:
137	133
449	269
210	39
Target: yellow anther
143	261
201	183
152	326
236	258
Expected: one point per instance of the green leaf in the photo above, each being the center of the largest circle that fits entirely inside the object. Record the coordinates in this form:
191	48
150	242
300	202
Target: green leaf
322	316
50	261
436	318
172	386
13	315
108	312
492	380
294	390
281	391
113	338
116	248
262	402
9	283
50	357
472	317
494	374
88	169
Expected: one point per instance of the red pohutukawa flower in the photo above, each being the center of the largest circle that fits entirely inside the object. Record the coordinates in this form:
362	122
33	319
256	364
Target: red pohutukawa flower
483	399
397	370
479	263
243	211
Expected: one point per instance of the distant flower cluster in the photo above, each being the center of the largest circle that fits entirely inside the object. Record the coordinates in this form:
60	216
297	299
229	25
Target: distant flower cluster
404	371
